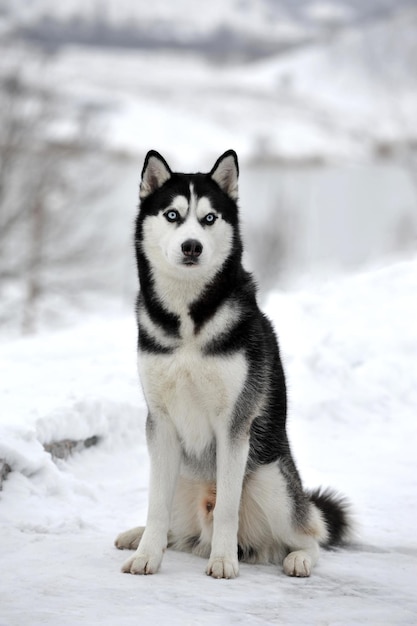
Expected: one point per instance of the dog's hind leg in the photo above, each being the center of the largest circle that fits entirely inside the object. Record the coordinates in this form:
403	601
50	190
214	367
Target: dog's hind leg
300	562
193	504
129	540
305	545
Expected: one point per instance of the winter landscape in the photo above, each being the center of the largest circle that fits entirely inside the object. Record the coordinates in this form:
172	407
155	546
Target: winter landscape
324	124
349	351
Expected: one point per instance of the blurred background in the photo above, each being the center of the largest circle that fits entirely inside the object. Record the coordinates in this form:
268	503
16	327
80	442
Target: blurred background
319	99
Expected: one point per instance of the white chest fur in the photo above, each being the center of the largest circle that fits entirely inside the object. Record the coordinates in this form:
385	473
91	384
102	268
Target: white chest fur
196	392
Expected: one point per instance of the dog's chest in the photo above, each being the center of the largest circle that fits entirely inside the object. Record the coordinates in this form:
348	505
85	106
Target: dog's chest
198	393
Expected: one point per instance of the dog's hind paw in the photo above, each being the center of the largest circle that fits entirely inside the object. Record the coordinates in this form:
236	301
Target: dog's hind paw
297	564
222	567
142	564
129	540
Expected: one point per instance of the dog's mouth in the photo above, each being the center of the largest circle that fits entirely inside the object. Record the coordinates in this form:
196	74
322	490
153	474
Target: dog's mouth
190	261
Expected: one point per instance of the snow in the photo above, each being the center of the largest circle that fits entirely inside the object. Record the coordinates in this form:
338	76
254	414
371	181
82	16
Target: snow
330	101
183	19
349	351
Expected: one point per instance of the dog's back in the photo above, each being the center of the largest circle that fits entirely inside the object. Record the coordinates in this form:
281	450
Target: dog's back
223	481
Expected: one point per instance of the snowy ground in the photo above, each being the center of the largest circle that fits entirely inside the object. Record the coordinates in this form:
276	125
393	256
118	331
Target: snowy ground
349	349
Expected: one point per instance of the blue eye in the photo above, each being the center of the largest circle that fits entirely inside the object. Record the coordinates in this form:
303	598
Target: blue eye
209	219
172	216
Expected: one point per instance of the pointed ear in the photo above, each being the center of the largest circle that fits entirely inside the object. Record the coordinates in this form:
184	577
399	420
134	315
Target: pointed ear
226	172
155	173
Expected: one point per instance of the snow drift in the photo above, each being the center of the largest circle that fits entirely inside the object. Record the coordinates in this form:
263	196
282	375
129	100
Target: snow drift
349	351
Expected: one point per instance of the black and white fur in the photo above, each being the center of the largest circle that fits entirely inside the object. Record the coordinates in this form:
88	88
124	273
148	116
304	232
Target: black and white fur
223	483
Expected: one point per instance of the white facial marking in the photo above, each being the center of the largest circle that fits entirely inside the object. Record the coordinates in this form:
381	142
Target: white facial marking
193	199
180	204
203	208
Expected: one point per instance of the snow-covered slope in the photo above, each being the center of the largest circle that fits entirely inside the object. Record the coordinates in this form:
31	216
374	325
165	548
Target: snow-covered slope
345	96
185	19
349	350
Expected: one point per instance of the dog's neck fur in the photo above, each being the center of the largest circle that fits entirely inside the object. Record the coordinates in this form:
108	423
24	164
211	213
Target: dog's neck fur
194	298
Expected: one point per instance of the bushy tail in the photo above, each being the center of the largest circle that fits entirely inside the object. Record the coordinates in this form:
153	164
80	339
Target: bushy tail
336	512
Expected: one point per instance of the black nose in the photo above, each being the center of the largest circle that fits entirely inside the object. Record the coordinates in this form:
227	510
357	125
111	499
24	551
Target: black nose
192	248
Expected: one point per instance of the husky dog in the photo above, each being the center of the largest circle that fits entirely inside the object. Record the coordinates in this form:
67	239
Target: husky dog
223	483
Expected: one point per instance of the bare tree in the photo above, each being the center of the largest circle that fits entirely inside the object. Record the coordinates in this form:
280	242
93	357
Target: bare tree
42	195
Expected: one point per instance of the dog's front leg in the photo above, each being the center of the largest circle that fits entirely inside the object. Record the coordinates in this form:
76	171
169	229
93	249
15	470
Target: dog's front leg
164	452
232	457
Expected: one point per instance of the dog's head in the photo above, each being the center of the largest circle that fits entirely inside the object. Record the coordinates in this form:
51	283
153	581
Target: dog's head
188	223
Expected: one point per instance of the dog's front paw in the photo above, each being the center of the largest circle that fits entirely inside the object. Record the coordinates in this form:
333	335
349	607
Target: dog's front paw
142	563
223	567
297	564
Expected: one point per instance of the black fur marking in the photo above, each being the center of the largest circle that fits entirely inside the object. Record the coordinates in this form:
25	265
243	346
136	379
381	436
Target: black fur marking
335	509
231	283
205	186
151	345
246	553
161	199
299	498
190	542
203	465
230	341
147	298
268	438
